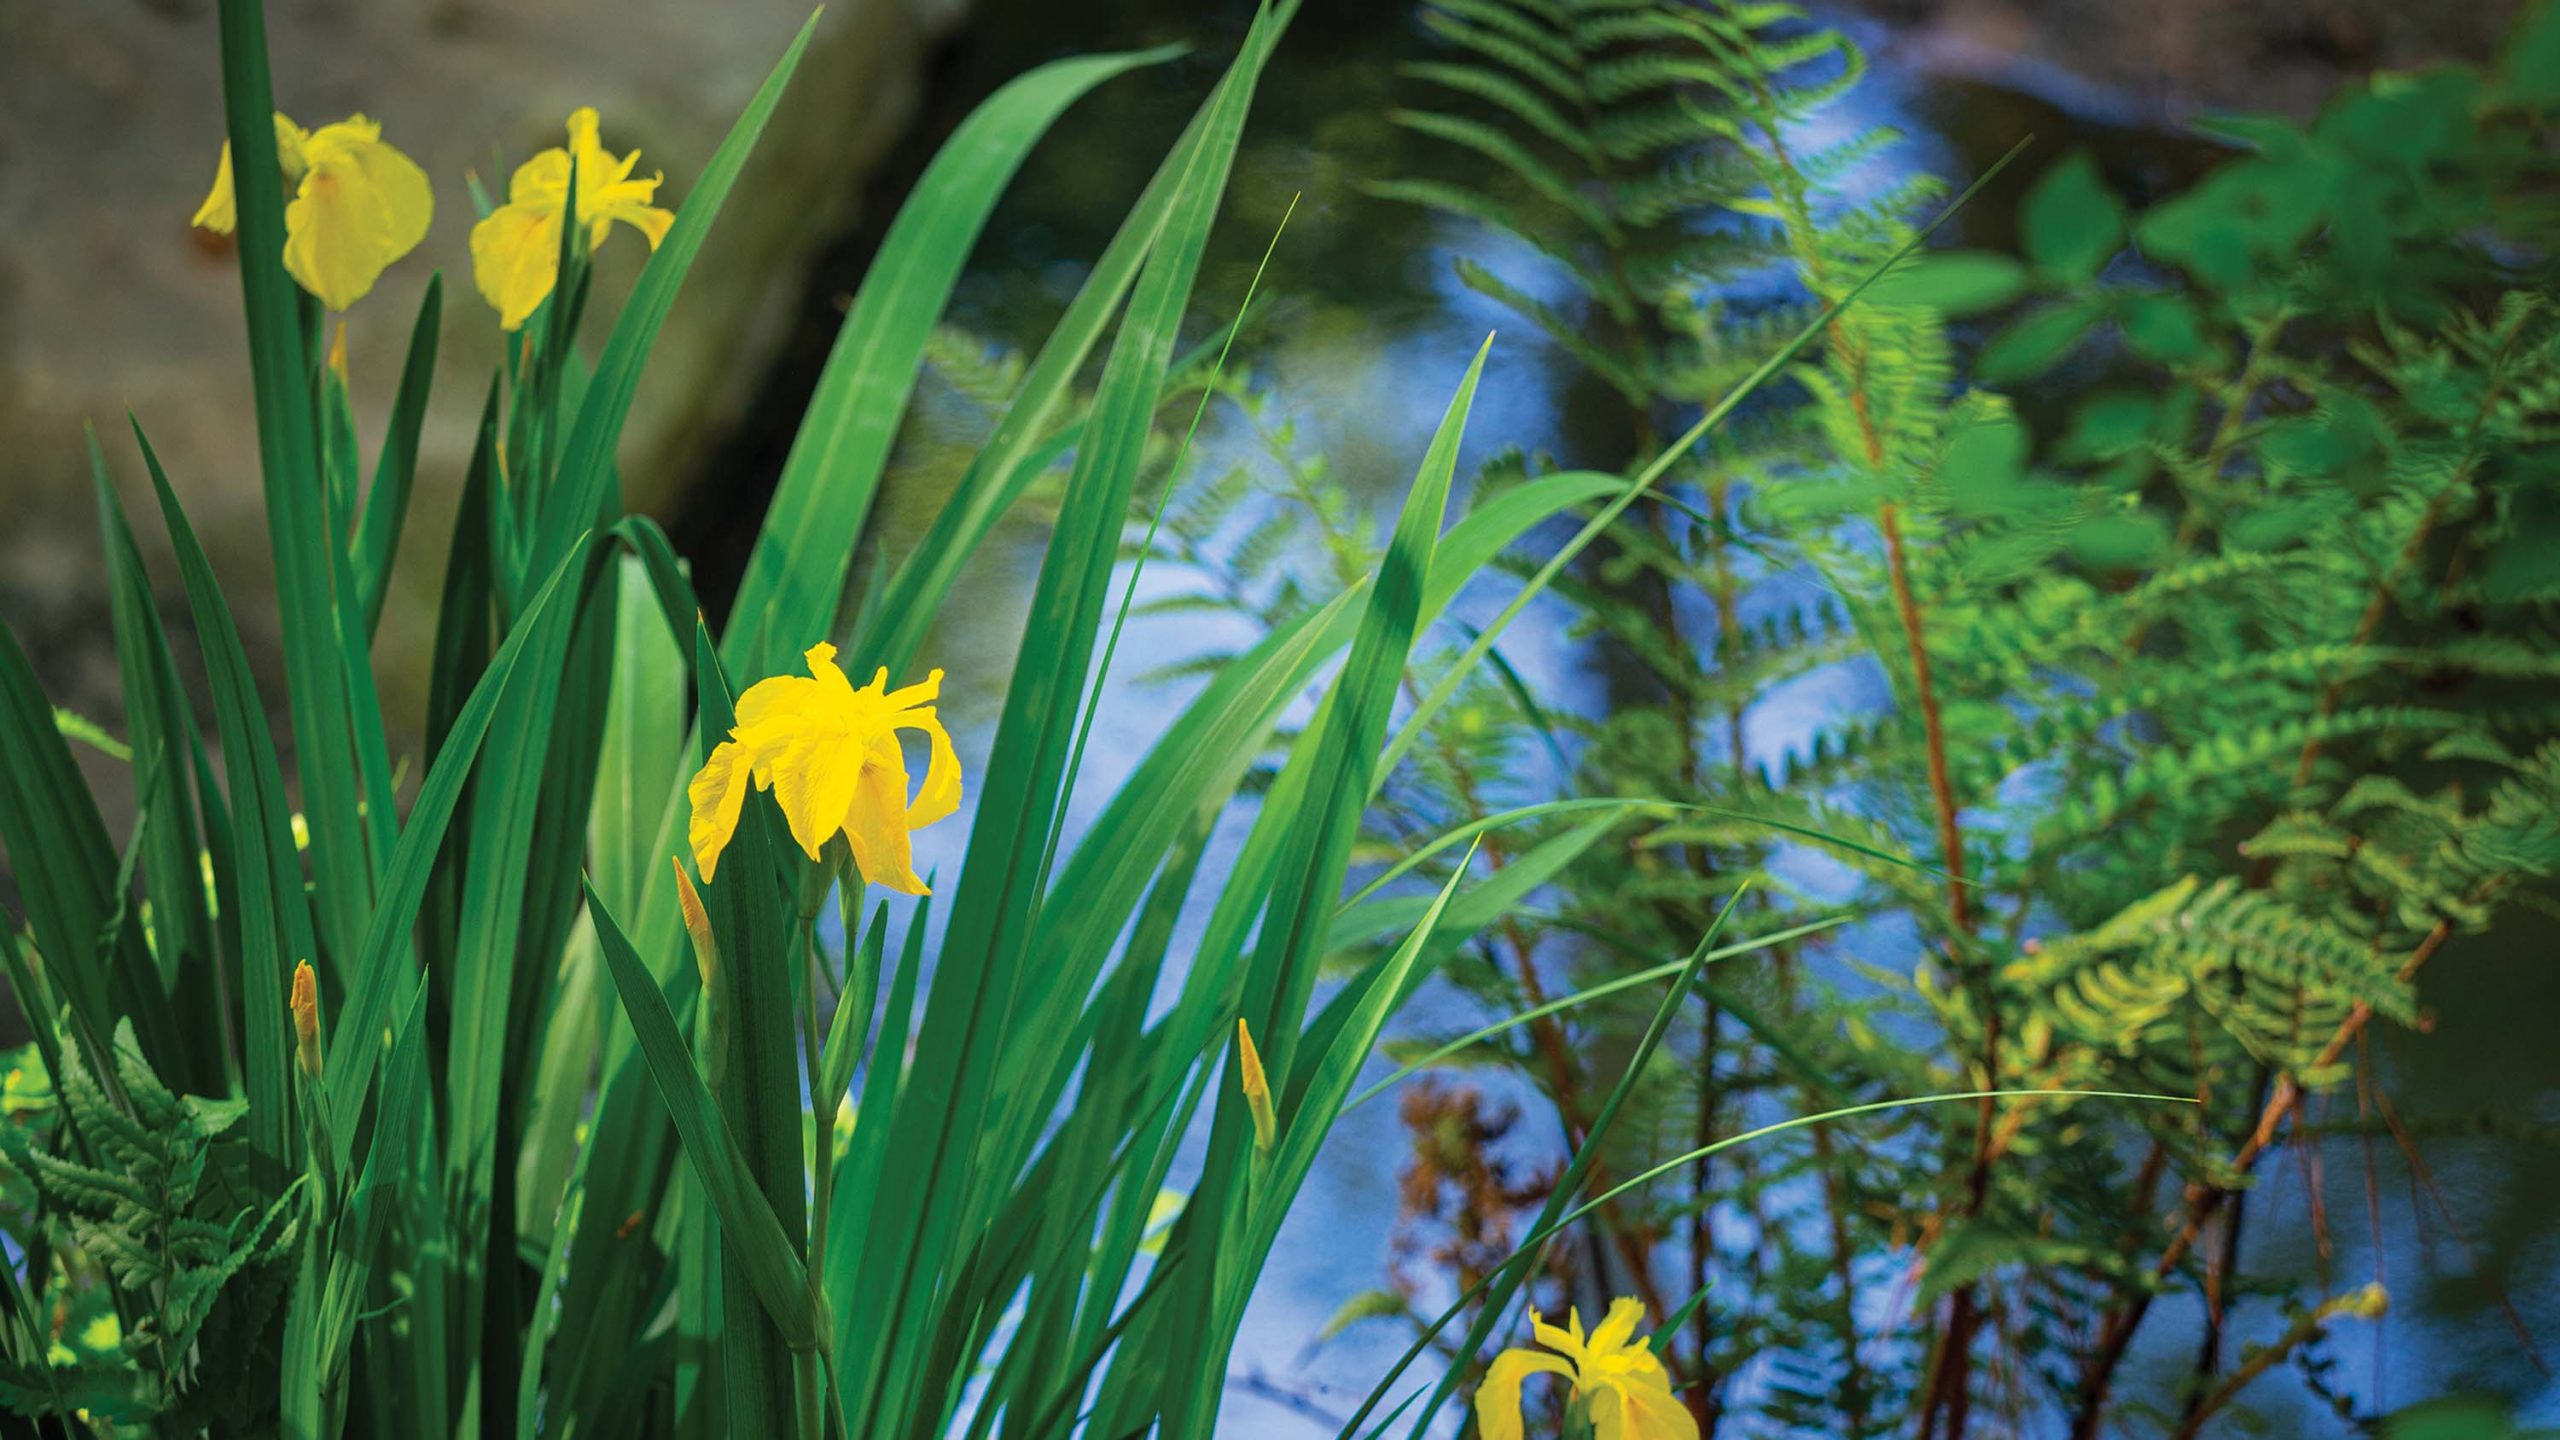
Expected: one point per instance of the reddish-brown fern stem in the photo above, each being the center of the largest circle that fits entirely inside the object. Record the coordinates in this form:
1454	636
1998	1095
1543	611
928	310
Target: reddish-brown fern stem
2116	1335
2202	1201
1950	1383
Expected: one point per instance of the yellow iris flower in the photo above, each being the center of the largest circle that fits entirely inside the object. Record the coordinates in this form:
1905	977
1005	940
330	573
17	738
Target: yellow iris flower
515	253
357	206
1616	1378
829	753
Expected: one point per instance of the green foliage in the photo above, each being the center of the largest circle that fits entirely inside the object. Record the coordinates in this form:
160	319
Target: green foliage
150	1193
2216	644
548	1149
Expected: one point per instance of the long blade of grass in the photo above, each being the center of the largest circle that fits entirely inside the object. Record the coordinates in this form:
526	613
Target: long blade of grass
943	1107
1335	755
759	1082
795	577
386	503
747	1218
380	980
275	918
1507	1277
183	935
582	490
281	375
1584	996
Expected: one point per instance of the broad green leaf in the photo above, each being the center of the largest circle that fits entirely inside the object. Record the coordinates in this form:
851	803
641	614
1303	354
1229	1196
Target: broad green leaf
2035	342
1953	282
2070	221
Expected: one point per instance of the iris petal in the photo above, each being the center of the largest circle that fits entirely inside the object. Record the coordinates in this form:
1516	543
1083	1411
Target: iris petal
939	796
361	206
876	825
718	794
1625	1313
1498	1398
829	753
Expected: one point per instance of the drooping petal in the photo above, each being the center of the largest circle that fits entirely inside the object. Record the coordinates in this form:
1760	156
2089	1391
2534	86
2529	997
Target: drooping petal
814	778
628	203
1498	1398
939	796
360	207
876	825
718	793
1640	1410
219	213
515	259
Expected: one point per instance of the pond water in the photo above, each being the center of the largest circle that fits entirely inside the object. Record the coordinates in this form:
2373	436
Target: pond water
1367	335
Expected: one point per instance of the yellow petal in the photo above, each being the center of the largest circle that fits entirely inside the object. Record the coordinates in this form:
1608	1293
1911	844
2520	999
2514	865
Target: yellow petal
907	697
718	793
788	701
821	660
542	180
219	213
649	220
939	795
1625	1314
606	191
361	206
814	777
1498	1398
1567	1341
585	138
876	824
515	259
292	149
628	202
329	141
1640	1410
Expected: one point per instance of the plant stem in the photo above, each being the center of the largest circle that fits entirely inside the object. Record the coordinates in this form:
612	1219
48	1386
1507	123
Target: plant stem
822	1138
2202	1200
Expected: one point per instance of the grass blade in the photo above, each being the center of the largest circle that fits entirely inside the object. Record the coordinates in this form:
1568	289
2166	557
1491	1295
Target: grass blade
386	504
795	577
581	493
756	1239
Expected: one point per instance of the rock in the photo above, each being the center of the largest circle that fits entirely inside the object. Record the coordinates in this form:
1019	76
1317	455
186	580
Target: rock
110	123
2159	62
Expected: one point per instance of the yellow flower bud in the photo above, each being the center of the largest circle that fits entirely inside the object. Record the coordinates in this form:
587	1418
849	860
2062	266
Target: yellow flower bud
306	1019
706	947
1257	1089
